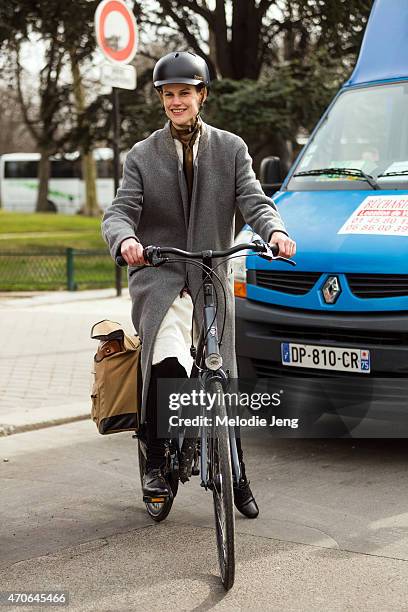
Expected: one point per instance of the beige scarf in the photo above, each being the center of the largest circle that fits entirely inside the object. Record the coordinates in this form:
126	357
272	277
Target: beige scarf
187	137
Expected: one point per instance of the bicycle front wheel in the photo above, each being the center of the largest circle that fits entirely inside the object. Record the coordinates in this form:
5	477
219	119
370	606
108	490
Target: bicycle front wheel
221	477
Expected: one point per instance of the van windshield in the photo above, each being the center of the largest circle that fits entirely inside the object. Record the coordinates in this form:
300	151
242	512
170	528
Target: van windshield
363	137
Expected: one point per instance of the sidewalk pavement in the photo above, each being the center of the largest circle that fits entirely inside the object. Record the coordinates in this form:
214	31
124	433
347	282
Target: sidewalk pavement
47	352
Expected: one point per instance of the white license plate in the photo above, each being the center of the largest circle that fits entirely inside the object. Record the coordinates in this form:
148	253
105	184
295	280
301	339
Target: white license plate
325	357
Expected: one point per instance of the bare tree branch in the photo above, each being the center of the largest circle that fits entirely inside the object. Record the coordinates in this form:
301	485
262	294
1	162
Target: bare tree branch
24	107
263	7
203	11
181	23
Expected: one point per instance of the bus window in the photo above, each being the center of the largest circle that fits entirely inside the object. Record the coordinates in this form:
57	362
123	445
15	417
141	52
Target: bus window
64	168
20	169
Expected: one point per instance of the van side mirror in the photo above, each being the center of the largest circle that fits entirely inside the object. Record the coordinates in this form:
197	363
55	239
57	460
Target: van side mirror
270	174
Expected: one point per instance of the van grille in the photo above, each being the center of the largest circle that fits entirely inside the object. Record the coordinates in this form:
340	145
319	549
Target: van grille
378	285
365	286
295	283
352	336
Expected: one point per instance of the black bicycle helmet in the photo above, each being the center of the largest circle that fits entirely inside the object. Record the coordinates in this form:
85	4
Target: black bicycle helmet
181	67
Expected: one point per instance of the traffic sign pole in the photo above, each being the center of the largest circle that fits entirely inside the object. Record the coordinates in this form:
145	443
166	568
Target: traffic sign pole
116	35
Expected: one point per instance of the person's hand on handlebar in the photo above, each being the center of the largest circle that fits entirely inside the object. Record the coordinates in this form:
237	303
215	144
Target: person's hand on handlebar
287	246
132	252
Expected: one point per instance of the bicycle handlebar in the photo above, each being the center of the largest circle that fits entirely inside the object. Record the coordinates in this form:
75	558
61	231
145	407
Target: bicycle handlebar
154	255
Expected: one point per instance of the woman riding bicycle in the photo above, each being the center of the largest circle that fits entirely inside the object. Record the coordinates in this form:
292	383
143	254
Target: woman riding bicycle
181	187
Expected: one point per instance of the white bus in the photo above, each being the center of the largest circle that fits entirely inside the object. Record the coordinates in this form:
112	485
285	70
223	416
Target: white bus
66	189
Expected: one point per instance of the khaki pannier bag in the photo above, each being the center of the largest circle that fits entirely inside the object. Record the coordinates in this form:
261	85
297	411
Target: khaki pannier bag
116	390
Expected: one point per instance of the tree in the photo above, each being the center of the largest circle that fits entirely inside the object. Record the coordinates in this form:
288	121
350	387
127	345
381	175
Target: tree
42	119
66	31
80	45
239	38
13	133
45	116
45	121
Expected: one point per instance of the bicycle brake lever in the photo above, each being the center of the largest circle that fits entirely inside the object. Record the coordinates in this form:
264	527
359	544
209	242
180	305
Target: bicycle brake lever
270	256
285	259
157	260
153	257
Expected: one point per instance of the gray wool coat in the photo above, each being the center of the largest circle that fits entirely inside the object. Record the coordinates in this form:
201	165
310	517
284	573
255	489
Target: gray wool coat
152	206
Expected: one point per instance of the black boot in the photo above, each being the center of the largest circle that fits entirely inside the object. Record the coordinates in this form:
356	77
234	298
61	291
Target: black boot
154	484
243	497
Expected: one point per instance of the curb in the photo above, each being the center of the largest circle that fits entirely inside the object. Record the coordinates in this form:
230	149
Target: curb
9	430
60	297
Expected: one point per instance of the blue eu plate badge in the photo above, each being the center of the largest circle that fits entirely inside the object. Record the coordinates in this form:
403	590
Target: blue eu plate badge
285	352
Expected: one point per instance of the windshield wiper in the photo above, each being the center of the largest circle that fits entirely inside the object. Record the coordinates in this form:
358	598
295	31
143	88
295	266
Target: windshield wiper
356	172
400	173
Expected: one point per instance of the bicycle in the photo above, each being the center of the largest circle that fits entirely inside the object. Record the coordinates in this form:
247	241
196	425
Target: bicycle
216	451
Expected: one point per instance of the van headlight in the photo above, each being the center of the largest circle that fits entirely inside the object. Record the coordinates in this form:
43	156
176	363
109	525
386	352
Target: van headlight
239	263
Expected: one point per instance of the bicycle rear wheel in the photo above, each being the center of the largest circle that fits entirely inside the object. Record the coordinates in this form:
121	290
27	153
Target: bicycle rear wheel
221	476
158	511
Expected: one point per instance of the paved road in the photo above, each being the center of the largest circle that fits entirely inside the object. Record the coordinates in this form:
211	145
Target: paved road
333	529
332	534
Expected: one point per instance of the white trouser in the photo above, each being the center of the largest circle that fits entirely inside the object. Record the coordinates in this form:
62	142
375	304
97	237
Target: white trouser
174	336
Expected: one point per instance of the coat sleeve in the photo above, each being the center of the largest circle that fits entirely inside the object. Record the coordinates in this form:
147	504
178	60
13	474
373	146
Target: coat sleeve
121	219
258	210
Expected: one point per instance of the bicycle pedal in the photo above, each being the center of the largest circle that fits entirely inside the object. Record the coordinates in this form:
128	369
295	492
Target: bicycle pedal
155	500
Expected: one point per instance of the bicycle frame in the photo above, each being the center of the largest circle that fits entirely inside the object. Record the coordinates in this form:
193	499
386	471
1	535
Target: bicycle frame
208	345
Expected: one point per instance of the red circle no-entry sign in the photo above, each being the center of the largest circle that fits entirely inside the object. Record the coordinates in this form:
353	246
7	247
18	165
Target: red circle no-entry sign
116	31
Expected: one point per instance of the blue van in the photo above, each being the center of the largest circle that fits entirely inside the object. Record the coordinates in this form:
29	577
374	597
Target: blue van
343	310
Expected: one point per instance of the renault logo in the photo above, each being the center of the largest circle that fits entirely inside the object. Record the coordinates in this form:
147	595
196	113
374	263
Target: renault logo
331	290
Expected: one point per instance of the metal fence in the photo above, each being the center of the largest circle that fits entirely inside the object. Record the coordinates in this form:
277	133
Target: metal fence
69	269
